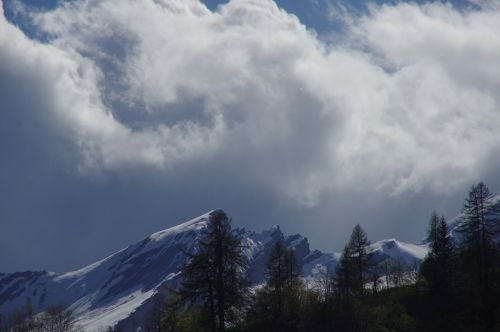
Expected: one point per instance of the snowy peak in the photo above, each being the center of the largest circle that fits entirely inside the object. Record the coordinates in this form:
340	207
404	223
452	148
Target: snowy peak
123	280
193	225
392	248
122	288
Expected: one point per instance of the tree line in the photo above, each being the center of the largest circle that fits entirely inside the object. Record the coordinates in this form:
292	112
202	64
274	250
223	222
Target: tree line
455	288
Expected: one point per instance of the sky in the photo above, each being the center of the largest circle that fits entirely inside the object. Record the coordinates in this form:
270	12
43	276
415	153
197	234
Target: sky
119	118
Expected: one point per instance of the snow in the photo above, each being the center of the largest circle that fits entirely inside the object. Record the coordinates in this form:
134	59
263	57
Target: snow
114	289
101	318
394	248
193	224
87	269
328	262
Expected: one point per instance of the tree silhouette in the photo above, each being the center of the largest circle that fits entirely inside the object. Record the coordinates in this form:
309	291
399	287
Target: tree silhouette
215	274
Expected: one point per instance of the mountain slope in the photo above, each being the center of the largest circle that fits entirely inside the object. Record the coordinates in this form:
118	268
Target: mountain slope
109	290
124	287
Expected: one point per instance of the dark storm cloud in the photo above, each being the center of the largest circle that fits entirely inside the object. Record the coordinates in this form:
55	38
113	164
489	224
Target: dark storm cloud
133	116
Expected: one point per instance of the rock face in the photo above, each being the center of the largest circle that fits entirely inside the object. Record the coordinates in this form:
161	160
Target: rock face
123	288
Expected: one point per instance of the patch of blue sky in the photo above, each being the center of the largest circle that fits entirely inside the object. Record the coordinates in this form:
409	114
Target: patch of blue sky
317	15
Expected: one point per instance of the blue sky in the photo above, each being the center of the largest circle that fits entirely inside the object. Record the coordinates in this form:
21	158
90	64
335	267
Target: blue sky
312	13
127	117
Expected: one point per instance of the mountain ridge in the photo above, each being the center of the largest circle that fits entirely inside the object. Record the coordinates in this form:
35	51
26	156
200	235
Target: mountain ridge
122	288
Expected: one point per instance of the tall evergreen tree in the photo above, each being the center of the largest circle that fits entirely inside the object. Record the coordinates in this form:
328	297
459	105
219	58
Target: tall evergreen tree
277	306
283	274
437	266
443	246
293	268
352	275
283	269
362	258
477	229
437	271
276	269
355	265
433	227
479	256
216	272
344	275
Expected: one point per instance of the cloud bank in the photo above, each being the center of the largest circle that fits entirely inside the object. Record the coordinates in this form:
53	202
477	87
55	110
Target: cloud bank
126	117
406	100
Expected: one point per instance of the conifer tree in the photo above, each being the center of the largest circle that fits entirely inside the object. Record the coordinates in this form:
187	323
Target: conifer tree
437	267
283	275
292	268
477	229
433	226
344	275
352	274
282	267
443	246
276	267
277	306
355	265
216	273
361	259
479	255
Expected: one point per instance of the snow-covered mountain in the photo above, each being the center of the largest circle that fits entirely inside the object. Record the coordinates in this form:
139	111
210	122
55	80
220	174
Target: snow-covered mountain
122	288
392	248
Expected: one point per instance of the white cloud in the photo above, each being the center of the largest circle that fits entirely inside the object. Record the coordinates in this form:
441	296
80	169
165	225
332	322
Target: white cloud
408	101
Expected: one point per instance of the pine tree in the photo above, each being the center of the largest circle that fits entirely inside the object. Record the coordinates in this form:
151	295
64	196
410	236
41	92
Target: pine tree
344	275
352	274
216	273
283	269
276	267
479	257
277	305
477	229
437	271
433	226
355	265
437	266
443	246
293	269
362	258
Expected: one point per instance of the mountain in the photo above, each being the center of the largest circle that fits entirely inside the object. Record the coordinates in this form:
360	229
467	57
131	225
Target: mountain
123	288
